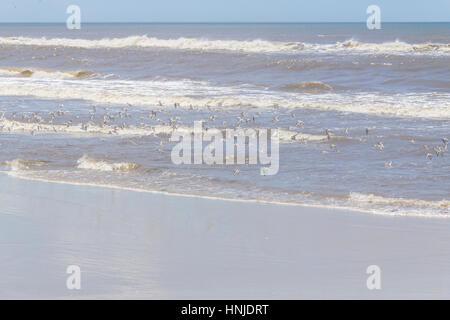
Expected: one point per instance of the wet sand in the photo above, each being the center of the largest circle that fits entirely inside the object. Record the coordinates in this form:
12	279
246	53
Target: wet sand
143	245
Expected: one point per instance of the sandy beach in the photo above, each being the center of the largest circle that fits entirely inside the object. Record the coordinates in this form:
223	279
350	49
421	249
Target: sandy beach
224	151
144	245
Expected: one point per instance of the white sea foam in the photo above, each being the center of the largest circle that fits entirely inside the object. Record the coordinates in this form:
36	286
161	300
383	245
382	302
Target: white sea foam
398	201
13	126
89	163
145	41
308	86
200	94
357	201
39	73
255	46
386	47
21	165
17	164
400	205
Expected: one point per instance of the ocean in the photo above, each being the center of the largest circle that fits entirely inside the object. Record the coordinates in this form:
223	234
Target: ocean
363	115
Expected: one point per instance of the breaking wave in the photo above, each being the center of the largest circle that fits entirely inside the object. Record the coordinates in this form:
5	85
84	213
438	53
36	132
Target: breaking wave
253	46
308	86
149	42
13	126
20	164
187	94
39	73
89	163
400	205
395	46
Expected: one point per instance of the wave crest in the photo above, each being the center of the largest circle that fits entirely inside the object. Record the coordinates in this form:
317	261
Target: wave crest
252	46
199	95
152	42
89	163
393	47
21	165
40	73
407	206
308	86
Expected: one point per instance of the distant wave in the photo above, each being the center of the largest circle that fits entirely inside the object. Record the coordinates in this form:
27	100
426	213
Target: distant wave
254	46
40	73
187	94
394	46
308	86
149	42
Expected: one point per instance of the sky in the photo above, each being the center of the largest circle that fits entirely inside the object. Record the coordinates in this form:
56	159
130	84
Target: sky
224	10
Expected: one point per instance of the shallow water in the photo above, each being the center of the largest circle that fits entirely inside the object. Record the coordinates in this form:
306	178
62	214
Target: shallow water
384	95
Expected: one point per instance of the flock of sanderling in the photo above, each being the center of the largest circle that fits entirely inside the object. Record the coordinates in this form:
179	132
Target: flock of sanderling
118	120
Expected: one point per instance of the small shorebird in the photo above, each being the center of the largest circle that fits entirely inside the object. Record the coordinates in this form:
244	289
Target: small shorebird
236	172
299	124
379	146
388	164
439	151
